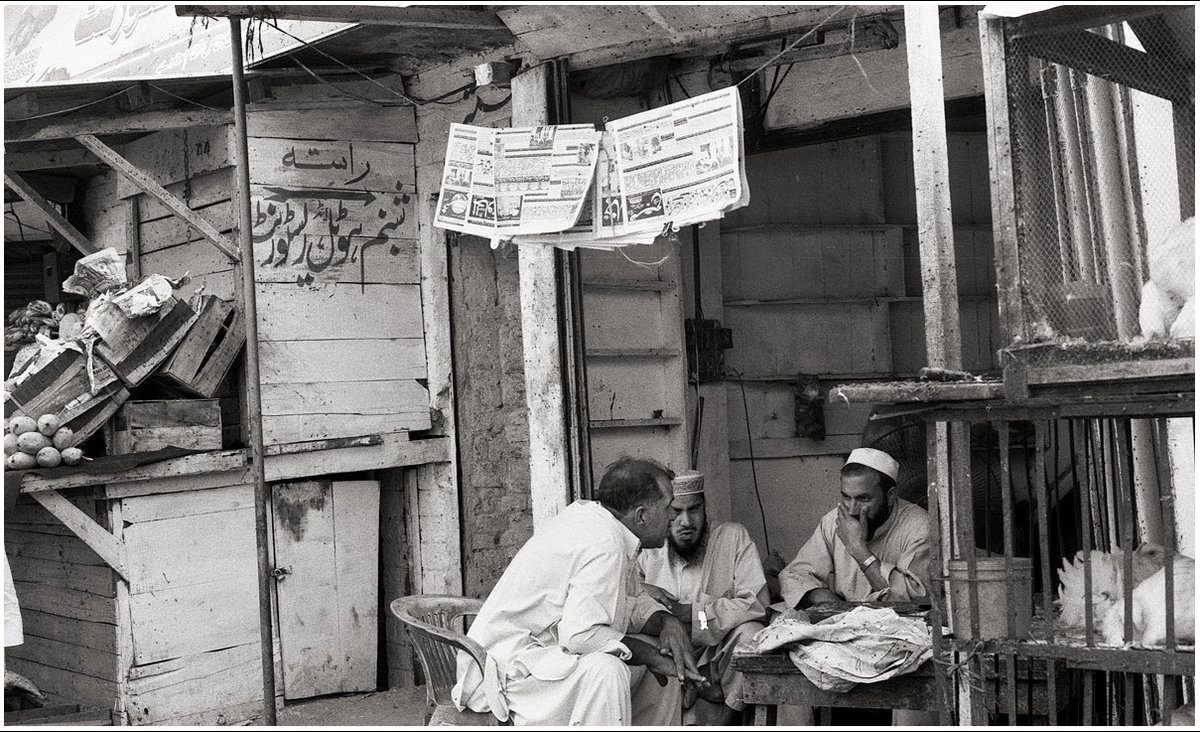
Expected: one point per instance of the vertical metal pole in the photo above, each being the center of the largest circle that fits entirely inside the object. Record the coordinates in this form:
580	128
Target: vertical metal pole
253	394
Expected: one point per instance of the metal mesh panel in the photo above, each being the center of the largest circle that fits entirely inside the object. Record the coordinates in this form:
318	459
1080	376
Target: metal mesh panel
1103	174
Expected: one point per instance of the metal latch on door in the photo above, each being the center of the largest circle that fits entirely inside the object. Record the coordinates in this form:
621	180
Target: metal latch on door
281	573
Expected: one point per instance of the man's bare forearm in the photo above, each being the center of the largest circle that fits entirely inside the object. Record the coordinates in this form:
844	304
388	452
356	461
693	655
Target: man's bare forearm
818	596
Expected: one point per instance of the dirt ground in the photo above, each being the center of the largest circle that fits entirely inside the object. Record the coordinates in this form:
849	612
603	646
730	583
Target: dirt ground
392	708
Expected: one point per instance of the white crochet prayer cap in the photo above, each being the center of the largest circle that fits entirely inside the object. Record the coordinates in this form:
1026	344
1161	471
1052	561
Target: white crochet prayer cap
872	458
688	483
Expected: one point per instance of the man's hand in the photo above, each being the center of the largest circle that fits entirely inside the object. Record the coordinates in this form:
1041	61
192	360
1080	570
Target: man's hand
680	610
852	530
676	642
660	595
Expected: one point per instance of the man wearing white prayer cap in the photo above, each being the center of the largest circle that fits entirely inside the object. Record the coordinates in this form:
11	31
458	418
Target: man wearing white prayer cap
873	546
710	577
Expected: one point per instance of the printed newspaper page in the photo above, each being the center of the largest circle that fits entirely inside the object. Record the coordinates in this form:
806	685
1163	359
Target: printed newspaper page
679	164
498	183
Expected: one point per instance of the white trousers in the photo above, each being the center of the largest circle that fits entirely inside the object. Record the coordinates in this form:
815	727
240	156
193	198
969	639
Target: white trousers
602	691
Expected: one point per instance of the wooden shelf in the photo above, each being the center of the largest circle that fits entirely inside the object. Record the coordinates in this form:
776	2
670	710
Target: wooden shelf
604	424
845	300
642	285
632	353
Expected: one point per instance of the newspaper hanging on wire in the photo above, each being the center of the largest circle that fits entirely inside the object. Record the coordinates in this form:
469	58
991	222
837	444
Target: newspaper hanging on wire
673	166
524	180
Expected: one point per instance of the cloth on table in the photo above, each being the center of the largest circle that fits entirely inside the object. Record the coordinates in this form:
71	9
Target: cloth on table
861	646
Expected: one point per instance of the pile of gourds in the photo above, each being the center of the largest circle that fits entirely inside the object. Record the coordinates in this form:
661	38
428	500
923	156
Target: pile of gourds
29	444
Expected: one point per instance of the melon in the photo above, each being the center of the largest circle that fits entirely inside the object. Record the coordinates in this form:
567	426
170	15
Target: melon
21	461
49	457
32	442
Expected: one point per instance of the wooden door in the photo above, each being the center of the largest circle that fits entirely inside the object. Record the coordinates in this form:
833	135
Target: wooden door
636	371
326	540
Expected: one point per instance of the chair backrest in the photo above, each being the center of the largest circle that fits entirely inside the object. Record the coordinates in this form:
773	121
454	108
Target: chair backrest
430	620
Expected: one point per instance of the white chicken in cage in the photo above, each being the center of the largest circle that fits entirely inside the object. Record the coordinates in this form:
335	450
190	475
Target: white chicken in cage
1150	609
1167	305
1108	571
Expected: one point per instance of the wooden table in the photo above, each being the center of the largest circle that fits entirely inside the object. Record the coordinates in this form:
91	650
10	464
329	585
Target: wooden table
772	679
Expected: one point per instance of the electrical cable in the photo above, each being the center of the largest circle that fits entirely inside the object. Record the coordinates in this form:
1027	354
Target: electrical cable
793	44
339	62
750	449
85	105
182	99
320	79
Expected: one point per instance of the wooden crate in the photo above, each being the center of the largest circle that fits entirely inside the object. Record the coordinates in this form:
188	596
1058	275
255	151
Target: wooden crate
208	350
134	347
63	387
145	426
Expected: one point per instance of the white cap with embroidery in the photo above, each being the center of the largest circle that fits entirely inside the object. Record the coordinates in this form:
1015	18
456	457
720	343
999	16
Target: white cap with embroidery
688	483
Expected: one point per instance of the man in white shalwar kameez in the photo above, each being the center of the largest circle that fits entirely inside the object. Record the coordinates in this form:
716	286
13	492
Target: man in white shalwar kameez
711	578
558	627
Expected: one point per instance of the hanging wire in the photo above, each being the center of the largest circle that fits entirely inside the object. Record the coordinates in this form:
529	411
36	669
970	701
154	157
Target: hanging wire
76	108
793	44
750	449
648	265
343	64
182	99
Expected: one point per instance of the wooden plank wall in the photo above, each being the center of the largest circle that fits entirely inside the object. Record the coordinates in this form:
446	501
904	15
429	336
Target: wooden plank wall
194	164
193	607
821	277
337	271
68	605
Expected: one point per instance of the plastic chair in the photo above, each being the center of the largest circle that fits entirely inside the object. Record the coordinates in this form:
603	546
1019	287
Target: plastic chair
430	621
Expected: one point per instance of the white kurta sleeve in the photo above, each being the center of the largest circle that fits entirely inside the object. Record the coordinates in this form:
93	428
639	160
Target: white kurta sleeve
590	613
908	578
810	569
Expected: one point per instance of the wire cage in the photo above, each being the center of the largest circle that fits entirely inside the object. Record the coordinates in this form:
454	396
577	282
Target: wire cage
1097	264
1066	594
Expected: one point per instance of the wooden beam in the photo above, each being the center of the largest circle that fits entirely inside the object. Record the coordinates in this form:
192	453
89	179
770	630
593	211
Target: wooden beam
1115	62
915	391
47	159
116	124
14	181
715	39
414	17
1001	180
100	541
931	170
283	462
549	477
151	187
1078	17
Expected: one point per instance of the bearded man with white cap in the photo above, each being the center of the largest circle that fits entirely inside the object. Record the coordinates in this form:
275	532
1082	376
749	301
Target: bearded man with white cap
711	578
873	546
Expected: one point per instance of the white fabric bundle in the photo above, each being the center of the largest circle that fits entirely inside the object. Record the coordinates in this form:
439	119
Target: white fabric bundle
861	646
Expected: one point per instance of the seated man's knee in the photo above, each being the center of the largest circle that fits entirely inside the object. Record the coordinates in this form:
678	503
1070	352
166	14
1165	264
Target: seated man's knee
745	631
601	668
